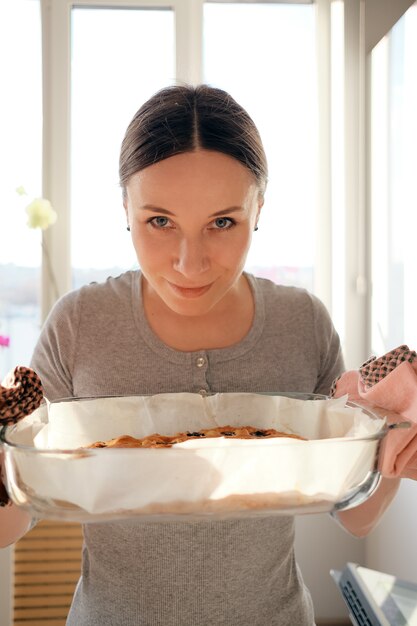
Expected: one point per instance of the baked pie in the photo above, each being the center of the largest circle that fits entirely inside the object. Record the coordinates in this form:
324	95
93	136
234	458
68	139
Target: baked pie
162	441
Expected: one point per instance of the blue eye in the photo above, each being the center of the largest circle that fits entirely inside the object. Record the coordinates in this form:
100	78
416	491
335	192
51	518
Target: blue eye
159	221
223	223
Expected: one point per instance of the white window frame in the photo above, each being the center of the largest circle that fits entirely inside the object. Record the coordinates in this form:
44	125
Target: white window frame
357	271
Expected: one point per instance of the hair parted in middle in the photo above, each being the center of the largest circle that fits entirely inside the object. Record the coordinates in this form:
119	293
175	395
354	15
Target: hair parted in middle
185	118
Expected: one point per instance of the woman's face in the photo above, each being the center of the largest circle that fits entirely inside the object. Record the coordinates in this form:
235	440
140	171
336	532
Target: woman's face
191	218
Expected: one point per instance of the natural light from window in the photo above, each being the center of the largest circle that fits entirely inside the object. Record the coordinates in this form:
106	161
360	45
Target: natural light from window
269	65
20	165
115	67
108	84
394	186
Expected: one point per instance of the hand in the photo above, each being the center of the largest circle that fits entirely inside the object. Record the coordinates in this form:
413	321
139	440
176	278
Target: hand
398	456
395	397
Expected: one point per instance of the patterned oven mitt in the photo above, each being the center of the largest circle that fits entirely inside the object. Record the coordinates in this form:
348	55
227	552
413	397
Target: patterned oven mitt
20	394
389	383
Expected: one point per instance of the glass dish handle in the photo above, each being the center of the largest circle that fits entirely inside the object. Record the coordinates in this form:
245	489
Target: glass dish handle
359	496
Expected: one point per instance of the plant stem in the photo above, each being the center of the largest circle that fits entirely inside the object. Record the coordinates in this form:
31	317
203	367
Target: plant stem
49	269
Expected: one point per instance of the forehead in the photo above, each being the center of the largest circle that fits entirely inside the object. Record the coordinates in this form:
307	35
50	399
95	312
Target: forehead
199	174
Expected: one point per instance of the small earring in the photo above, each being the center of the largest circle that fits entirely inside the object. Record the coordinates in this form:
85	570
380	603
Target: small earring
256	228
128	227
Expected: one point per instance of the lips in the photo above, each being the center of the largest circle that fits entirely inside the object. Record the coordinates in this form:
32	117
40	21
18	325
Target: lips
189	292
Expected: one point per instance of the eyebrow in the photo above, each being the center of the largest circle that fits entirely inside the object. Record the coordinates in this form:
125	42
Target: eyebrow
157	209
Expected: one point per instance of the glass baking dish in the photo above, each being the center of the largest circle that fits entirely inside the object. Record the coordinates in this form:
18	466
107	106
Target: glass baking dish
218	477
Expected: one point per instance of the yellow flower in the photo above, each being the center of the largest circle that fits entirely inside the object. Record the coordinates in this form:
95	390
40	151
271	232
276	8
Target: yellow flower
40	214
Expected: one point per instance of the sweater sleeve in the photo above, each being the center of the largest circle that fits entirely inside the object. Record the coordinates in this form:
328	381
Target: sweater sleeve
329	351
53	357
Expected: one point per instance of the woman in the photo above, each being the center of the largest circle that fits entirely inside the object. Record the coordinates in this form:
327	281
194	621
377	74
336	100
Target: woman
193	174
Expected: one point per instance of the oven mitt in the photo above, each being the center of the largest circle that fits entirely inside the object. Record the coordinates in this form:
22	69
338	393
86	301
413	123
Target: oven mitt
389	383
20	394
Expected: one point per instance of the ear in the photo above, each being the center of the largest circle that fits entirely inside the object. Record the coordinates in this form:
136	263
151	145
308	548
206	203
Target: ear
260	205
125	205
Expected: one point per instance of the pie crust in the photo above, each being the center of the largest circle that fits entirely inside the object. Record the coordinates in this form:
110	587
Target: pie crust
162	441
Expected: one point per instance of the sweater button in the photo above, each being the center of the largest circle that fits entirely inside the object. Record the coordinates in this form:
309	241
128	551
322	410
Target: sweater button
200	361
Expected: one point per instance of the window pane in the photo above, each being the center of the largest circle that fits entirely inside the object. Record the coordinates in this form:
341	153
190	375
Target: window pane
20	165
119	59
268	65
394	186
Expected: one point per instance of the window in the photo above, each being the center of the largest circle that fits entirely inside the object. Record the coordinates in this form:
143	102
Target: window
106	60
394	186
108	84
269	65
20	165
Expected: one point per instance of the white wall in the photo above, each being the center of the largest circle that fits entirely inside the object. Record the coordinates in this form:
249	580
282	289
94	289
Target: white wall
392	546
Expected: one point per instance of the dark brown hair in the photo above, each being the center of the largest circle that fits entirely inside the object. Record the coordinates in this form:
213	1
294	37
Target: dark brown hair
185	118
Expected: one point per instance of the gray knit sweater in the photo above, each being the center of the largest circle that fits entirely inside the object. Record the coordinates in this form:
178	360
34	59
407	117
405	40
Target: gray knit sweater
234	572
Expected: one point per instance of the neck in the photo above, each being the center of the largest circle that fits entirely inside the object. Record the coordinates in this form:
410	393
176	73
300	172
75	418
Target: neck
223	326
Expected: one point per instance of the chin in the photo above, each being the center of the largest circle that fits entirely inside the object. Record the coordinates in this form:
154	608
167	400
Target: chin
190	305
190	309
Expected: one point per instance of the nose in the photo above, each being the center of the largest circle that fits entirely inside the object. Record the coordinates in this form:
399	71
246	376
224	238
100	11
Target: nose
191	258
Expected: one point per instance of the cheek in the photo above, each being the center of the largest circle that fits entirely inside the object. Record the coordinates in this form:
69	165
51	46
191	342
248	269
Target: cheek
236	248
148	252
